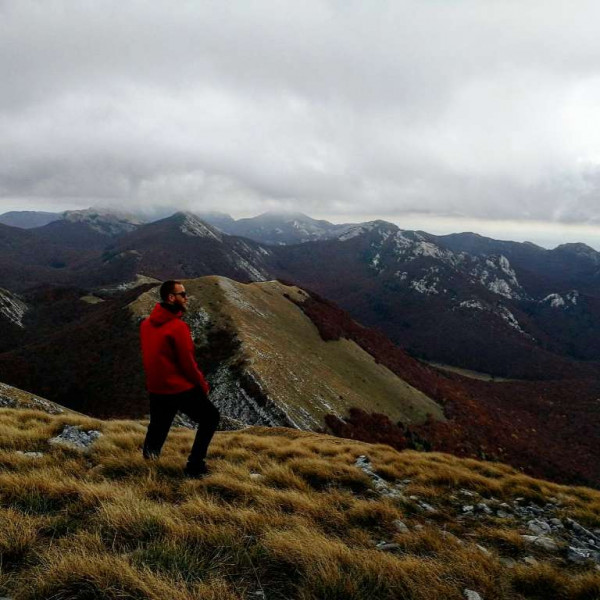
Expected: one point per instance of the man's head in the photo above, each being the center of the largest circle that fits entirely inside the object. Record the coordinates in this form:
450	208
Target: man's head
173	292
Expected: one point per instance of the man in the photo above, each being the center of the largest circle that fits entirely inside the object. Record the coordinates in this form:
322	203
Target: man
173	378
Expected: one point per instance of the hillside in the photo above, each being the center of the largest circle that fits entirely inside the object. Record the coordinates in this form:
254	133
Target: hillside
279	353
264	358
276	355
534	315
284	514
548	428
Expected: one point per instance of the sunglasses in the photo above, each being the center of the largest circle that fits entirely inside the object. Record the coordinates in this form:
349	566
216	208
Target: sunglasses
182	294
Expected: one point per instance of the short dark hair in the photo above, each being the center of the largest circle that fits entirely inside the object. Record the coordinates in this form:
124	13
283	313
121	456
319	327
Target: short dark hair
168	287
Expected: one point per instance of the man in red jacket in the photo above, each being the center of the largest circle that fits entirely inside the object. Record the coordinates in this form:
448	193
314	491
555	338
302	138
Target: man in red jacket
173	379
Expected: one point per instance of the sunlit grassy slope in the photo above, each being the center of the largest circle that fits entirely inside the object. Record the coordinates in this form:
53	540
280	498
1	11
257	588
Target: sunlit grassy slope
282	350
284	514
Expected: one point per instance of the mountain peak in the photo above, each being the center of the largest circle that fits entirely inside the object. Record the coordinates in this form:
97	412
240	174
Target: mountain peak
104	221
579	249
384	228
284	215
192	225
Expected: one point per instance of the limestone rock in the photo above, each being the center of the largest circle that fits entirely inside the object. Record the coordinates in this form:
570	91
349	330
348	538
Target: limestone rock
75	437
30	455
381	486
400	526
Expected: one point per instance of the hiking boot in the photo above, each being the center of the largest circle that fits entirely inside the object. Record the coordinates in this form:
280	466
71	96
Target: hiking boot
196	471
150	455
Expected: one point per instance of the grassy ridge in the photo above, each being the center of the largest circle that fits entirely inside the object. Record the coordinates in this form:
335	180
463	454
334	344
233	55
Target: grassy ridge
282	350
284	514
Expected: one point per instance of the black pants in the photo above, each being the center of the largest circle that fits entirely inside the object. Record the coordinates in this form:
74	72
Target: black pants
196	405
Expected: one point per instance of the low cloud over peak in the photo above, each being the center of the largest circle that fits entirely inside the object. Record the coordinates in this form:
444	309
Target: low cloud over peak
474	110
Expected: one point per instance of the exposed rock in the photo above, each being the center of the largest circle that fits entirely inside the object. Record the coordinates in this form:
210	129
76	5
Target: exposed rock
509	563
582	555
12	307
529	560
388	547
380	485
400	526
471	595
75	437
542	541
582	532
11	397
6	402
483	507
30	455
232	398
539	527
422	505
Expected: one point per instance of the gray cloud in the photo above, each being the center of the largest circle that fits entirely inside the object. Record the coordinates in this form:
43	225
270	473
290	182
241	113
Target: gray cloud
465	108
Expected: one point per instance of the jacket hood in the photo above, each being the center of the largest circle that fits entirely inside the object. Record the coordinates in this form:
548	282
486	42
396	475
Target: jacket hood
160	315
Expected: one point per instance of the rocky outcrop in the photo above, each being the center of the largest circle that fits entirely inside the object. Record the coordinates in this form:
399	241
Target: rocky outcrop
75	437
12	397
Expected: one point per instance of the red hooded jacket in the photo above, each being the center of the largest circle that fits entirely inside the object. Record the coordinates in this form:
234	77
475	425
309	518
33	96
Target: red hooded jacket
168	354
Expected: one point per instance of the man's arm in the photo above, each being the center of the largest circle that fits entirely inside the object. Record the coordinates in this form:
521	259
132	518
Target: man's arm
184	348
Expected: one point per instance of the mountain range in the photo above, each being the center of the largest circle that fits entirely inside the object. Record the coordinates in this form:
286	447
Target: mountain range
504	308
525	322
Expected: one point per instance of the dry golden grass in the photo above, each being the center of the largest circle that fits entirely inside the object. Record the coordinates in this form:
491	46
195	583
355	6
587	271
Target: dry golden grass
283	512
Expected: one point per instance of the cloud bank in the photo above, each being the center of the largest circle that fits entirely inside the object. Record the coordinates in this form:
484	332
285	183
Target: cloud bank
472	109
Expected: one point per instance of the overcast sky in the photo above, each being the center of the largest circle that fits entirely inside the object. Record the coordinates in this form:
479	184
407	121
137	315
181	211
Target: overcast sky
443	115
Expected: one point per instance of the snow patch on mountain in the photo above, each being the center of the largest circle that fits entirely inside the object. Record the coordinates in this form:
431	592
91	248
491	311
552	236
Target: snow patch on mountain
558	301
12	307
429	283
500	311
496	274
352	233
253	272
424	287
410	246
193	226
381	227
105	222
555	300
423	248
509	318
236	298
474	304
